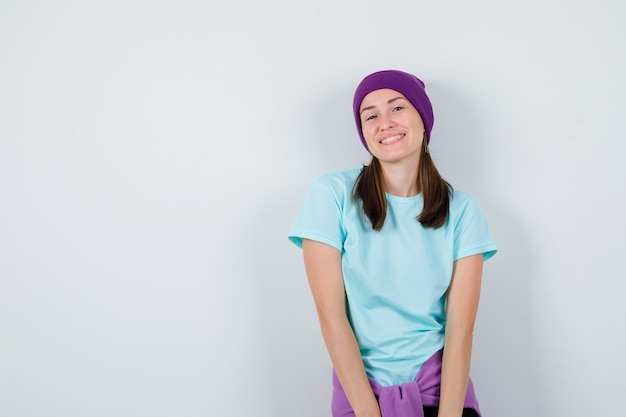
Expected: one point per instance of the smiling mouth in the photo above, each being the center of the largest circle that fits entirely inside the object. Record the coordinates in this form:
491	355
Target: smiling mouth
391	139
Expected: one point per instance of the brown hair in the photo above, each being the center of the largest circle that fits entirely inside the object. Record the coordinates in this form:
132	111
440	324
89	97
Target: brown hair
370	189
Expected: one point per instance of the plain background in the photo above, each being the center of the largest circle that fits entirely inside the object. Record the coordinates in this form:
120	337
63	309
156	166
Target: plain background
153	155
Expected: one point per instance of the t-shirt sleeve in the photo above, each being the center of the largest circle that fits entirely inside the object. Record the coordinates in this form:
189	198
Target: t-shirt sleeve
471	234
319	218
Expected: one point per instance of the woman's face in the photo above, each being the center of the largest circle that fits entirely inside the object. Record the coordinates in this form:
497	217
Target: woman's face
392	127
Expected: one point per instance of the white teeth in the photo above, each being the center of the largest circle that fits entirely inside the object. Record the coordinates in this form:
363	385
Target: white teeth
391	139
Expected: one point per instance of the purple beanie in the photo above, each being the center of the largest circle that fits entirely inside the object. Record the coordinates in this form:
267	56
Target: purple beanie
409	85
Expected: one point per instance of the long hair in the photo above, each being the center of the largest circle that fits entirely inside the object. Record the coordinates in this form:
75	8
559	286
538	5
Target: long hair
370	189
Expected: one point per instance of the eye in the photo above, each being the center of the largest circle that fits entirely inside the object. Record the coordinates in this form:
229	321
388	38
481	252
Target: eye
397	108
370	117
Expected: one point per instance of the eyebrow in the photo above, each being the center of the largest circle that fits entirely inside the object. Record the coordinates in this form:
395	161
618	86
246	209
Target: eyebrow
389	102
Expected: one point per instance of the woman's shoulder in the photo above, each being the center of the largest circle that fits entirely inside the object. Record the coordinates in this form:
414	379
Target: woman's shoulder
463	203
460	197
339	181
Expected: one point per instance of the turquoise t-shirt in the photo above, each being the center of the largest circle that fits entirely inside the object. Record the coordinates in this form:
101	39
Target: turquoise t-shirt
396	280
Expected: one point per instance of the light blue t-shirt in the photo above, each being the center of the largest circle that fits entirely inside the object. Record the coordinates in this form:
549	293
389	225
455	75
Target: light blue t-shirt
396	280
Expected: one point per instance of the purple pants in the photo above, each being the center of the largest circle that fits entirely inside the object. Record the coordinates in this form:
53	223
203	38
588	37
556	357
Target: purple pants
408	399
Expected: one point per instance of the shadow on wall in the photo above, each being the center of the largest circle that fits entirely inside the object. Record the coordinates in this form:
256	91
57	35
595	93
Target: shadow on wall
338	143
457	143
298	368
505	350
298	375
506	354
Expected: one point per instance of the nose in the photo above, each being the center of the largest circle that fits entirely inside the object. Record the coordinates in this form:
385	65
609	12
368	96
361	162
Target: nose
386	121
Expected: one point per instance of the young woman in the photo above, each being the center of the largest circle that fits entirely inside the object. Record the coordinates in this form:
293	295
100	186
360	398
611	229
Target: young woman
394	260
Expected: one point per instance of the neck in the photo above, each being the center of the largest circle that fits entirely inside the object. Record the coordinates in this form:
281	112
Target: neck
401	178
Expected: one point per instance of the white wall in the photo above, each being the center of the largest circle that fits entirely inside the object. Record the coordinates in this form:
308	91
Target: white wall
153	155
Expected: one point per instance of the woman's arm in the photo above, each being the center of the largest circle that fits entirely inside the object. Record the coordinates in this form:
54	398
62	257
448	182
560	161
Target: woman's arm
462	306
323	269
